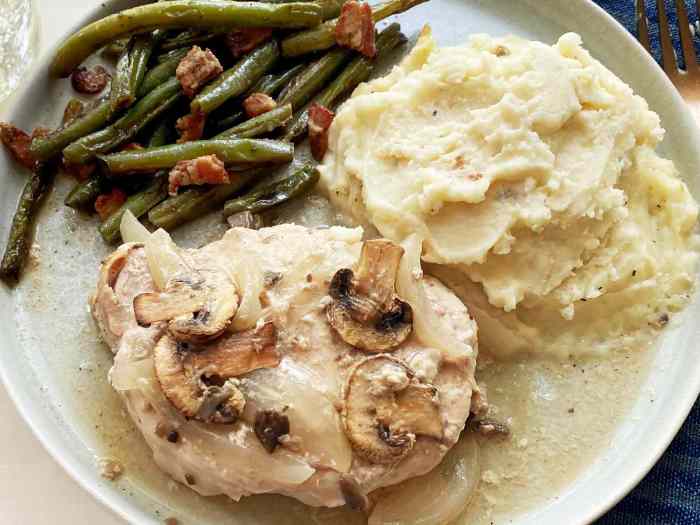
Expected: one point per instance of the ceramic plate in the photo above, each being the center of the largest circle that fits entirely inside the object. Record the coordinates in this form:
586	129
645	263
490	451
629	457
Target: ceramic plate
55	370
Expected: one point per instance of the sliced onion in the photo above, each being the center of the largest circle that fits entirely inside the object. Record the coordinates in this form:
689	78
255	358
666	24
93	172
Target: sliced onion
310	408
221	457
249	278
164	259
131	375
436	498
132	230
431	329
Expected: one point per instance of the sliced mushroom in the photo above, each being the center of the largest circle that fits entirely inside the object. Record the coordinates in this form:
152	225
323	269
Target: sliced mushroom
365	310
386	407
269	426
200	305
200	382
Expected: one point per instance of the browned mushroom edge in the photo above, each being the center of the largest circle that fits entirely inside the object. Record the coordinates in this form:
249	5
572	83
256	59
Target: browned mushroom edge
365	310
386	407
199	305
200	381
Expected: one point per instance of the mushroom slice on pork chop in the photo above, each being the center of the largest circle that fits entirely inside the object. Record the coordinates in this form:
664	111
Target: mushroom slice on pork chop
365	309
200	382
199	304
386	406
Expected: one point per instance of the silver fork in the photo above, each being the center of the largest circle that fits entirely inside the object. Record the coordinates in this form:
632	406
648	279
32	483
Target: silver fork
686	81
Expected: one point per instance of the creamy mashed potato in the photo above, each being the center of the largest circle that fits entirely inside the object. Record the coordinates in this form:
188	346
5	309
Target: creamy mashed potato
530	170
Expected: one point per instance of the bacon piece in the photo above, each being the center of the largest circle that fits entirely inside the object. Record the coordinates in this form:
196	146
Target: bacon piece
191	127
90	81
257	104
355	28
320	119
18	142
241	41
80	171
131	146
108	203
40	132
196	69
208	169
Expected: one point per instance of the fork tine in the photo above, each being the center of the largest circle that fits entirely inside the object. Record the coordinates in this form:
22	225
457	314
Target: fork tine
642	25
691	63
667	56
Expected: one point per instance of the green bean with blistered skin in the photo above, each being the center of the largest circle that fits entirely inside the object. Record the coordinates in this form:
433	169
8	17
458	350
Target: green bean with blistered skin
236	80
176	14
43	148
356	72
323	36
160	73
230	151
274	193
150	107
19	239
307	83
259	125
196	202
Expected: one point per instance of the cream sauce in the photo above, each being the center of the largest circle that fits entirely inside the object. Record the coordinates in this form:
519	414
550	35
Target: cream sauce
531	468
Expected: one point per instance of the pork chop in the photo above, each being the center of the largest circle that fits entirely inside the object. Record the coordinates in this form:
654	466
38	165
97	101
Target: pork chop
323	382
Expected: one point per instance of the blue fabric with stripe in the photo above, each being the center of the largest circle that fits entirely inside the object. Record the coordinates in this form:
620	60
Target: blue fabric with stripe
670	494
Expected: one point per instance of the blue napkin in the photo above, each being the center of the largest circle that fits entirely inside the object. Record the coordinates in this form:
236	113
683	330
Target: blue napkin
670	494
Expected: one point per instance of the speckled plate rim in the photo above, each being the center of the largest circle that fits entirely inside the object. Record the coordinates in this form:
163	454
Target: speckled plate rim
586	502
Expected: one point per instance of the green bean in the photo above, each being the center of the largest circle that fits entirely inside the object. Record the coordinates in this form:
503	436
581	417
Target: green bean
274	193
307	83
354	73
188	39
238	79
268	84
230	151
126	128
323	36
83	194
161	73
43	148
259	125
19	239
115	49
180	14
139	204
329	8
120	94
160	134
232	120
272	84
131	69
164	57
196	202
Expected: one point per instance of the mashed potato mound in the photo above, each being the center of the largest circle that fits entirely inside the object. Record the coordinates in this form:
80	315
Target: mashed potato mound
530	169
